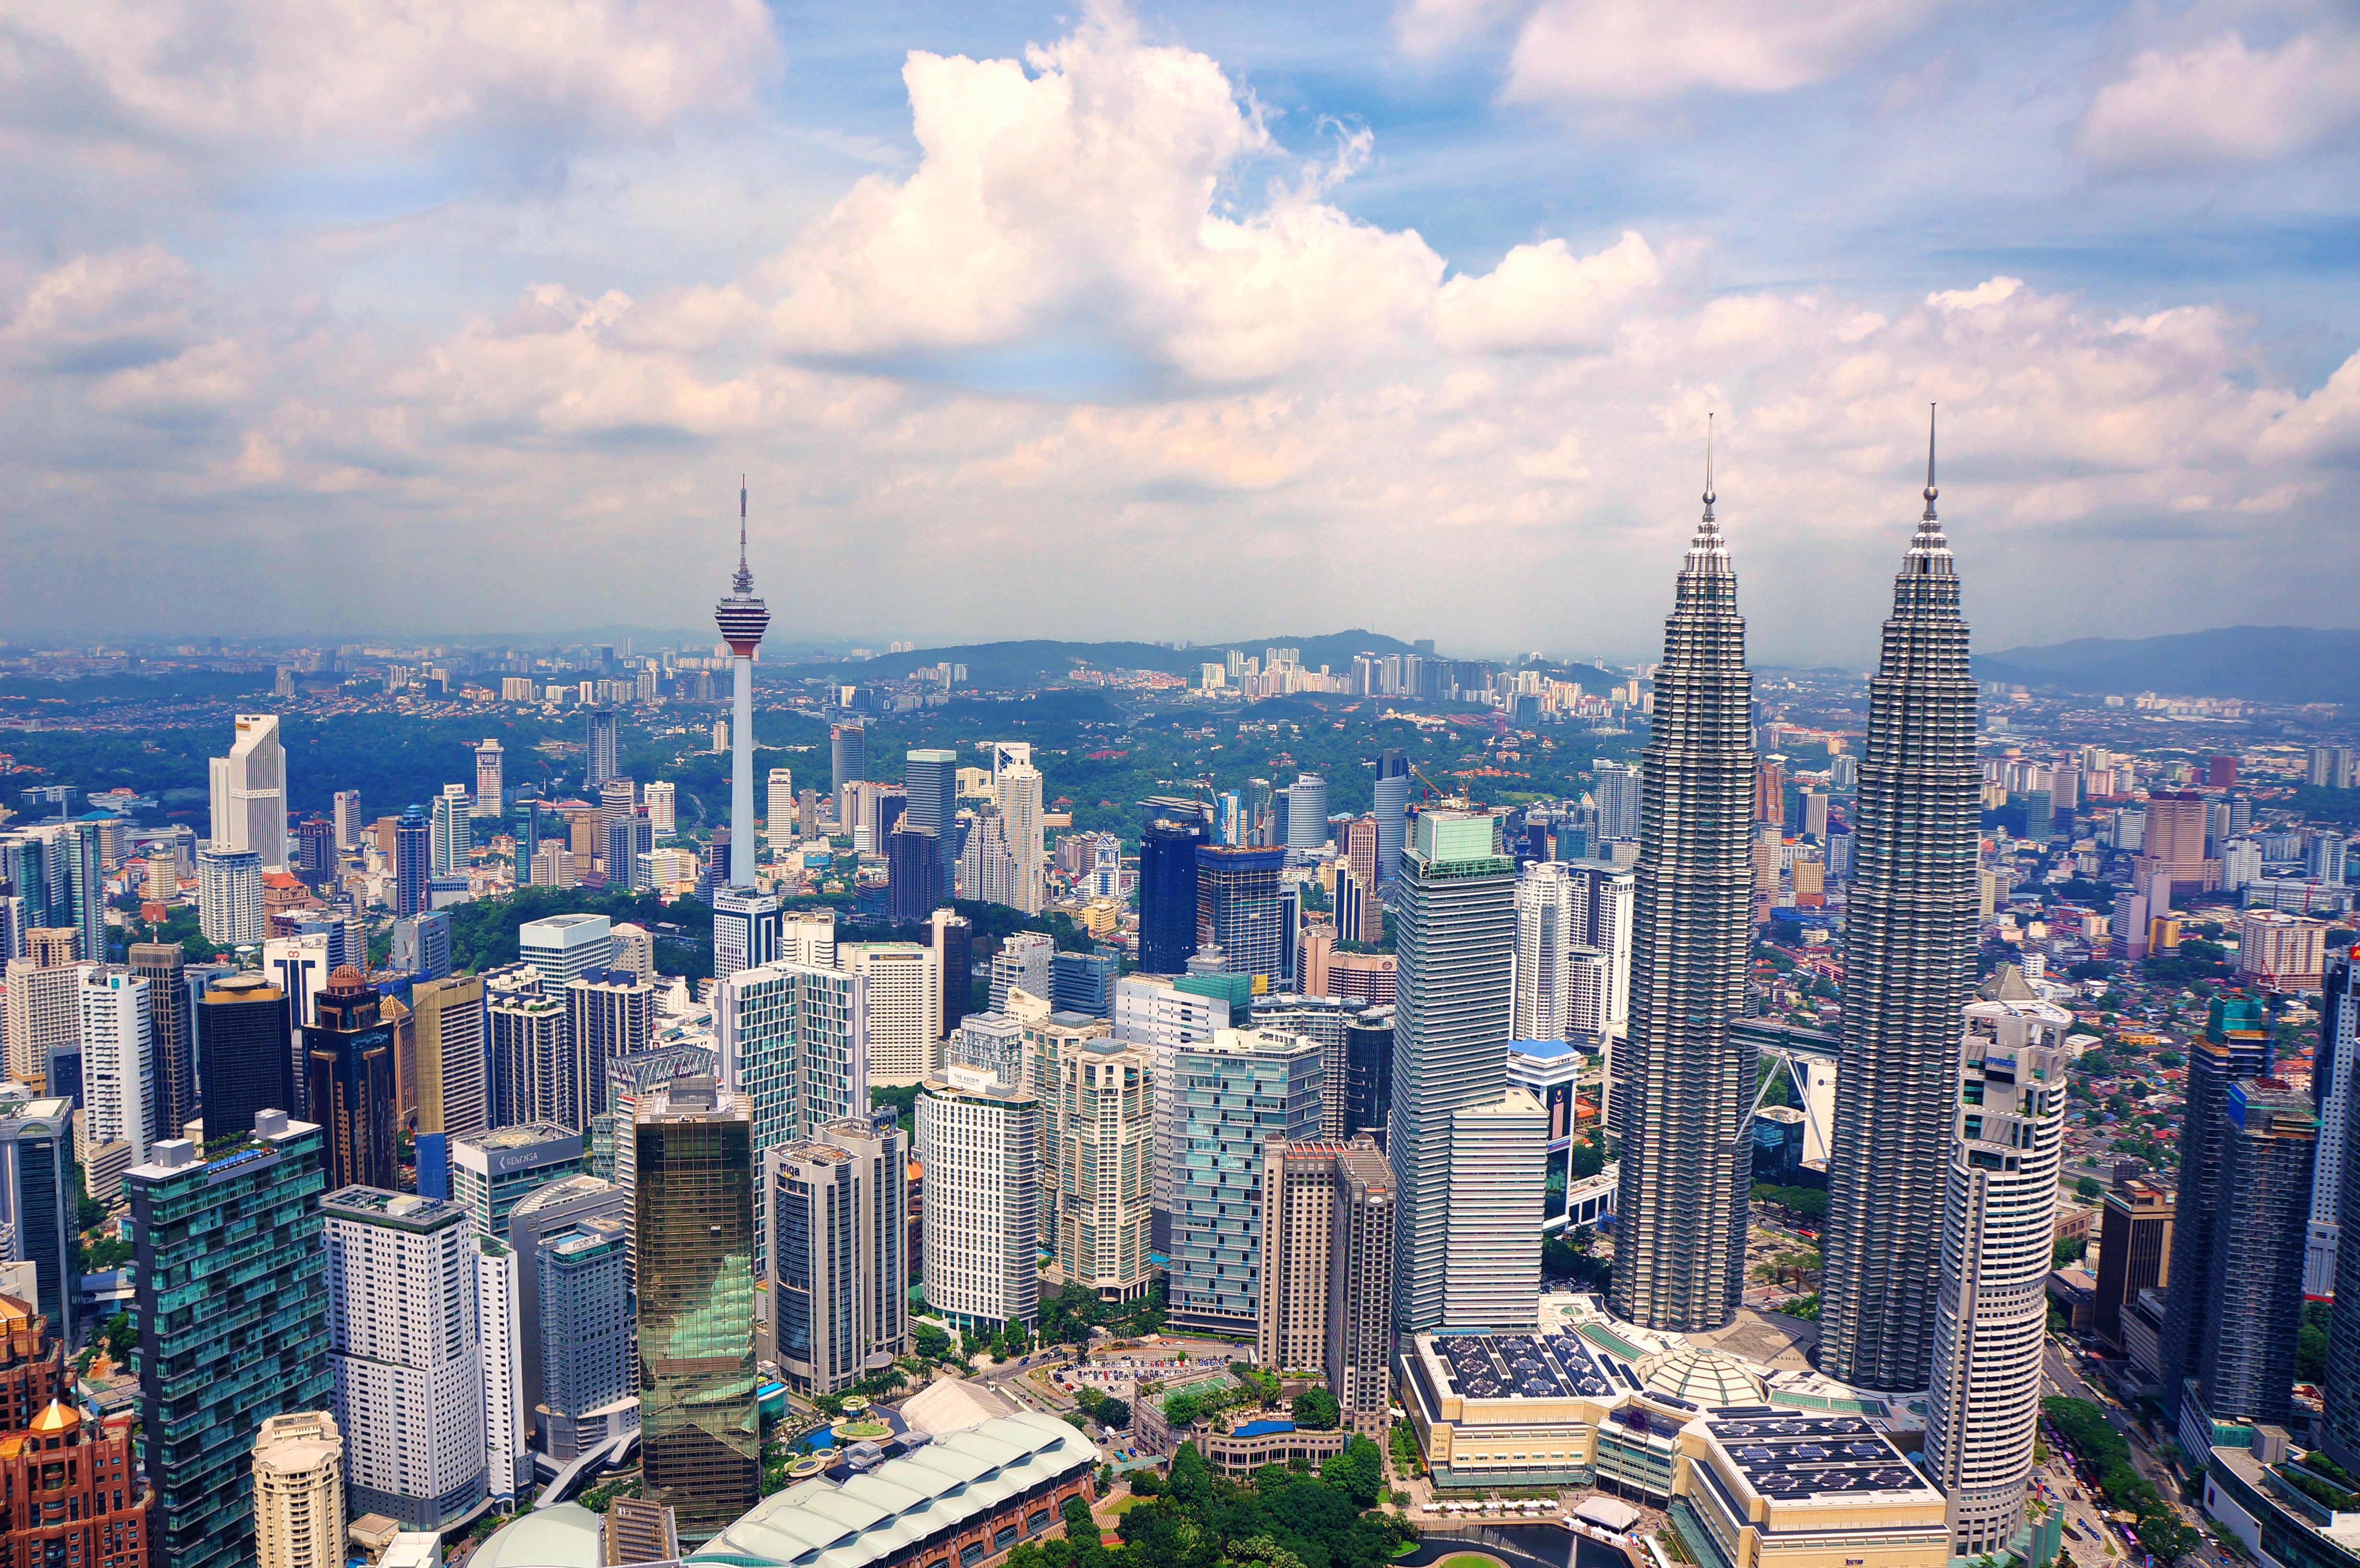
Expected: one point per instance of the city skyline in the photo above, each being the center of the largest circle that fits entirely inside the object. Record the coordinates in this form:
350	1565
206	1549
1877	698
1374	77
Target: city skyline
1388	270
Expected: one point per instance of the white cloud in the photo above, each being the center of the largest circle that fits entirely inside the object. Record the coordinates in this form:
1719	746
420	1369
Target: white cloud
1631	51
1544	297
2223	104
288	75
1325	403
1085	194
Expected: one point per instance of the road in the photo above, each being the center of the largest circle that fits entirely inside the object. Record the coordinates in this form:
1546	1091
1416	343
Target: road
2064	1377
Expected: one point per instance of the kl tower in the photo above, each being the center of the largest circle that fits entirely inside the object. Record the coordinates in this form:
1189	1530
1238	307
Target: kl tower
745	922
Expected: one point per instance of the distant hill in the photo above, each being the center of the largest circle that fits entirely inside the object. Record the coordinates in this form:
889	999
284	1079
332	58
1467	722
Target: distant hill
2283	664
1013	666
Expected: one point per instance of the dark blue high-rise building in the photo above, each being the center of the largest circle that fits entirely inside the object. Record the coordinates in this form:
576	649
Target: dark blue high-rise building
1167	895
413	861
930	780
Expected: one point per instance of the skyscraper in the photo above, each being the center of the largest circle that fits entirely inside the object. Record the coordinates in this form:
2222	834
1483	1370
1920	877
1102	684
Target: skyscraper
298	1492
1685	1082
839	1213
1167	895
453	1093
250	793
1456	926
847	746
39	1201
1909	949
402	1344
229	896
903	1001
930	780
778	807
117	1075
2250	1298
1238	908
490	789
601	753
1998	1222
574	1312
692	1239
2332	1092
1018	793
231	1307
982	1216
913	874
1234	1094
348	819
1327	1271
1391	808
2236	1046
413	861
243	1026
953	940
348	1083
1105	1167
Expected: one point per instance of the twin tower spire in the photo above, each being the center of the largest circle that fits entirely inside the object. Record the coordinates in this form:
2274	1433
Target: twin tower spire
1685	1087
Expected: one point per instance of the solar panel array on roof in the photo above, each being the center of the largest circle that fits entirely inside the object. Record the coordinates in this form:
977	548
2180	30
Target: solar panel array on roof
1793	1457
1522	1366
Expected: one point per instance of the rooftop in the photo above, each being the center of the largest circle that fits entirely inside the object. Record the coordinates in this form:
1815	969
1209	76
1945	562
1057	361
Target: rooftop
1793	1458
524	1136
903	1501
407	1210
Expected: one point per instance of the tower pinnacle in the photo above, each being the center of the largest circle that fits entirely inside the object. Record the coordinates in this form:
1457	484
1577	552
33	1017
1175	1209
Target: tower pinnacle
1930	491
1708	468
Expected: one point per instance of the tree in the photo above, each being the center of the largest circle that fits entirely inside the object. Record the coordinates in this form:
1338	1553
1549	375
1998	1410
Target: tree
932	1342
1316	1411
2087	1188
1192	1478
2069	1249
1114	1413
1359	1472
1079	1524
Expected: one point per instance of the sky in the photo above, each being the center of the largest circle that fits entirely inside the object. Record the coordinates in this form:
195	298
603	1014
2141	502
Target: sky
1199	320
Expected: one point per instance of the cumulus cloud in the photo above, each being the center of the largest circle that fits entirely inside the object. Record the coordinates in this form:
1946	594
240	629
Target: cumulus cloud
1629	51
2223	104
291	75
1328	397
1087	192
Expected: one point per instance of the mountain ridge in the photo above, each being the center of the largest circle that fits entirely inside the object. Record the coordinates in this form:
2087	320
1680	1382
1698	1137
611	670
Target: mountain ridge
2285	664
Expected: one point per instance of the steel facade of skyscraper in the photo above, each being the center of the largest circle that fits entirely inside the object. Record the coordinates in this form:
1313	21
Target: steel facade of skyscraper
1909	948
1455	924
1685	1084
847	757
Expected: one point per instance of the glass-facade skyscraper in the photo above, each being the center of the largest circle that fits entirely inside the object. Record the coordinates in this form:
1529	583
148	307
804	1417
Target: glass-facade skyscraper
230	1312
1683	1085
930	780
1454	924
348	1082
692	1223
1909	965
1167	895
1238	908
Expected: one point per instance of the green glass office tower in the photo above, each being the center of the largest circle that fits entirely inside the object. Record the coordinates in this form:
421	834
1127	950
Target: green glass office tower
1684	1082
231	1311
1455	924
1909	966
693	1222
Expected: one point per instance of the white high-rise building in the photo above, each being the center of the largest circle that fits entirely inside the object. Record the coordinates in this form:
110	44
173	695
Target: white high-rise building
792	1041
2339	1009
1105	1139
904	998
778	818
1491	1273
1025	962
348	819
1545	920
298	1492
507	1460
118	1075
808	937
981	1142
1018	791
1998	1222
300	966
249	792
229	896
565	946
402	1343
450	838
491	790
663	807
43	1015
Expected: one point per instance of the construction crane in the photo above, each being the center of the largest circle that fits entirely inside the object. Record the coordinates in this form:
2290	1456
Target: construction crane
1461	801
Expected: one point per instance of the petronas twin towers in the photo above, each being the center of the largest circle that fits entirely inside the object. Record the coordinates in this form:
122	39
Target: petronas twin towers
1686	1086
